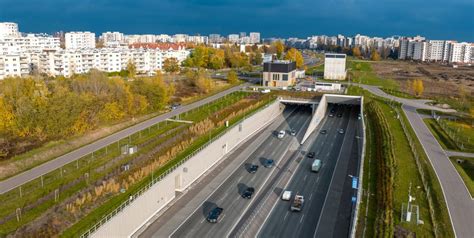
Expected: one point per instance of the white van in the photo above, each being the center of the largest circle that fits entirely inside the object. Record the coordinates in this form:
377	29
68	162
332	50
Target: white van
316	166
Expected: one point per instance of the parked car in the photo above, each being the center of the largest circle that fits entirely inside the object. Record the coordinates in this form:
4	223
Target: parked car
268	163
214	214
286	196
253	168
248	193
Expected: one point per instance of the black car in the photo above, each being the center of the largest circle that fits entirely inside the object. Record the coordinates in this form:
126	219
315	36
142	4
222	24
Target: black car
339	115
214	214
248	193
292	132
311	154
324	132
253	168
268	163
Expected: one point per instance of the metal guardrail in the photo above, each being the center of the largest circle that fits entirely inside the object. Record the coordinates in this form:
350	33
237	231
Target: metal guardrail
132	198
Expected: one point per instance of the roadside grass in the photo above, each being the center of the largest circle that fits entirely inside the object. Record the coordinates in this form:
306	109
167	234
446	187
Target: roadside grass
462	131
466	171
32	191
362	73
97	214
398	93
440	135
315	69
54	149
406	173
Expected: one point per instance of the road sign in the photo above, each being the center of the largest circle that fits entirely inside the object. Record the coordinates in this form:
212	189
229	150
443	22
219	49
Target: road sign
354	182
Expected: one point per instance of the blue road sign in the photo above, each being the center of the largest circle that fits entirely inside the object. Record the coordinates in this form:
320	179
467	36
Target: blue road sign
354	182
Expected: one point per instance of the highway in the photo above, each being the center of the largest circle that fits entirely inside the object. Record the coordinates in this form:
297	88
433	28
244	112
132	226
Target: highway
228	196
18	180
339	157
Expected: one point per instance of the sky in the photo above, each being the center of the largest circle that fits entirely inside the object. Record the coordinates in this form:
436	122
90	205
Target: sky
434	19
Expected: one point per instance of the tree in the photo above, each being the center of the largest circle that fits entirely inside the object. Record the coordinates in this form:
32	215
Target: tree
375	56
170	65
132	69
356	52
418	87
200	80
280	47
232	77
257	59
295	55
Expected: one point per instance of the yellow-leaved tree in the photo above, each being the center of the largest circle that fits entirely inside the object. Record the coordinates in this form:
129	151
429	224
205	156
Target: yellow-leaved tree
418	87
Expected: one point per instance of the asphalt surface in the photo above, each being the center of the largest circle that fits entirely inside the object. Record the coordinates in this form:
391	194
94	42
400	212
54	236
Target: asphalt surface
327	192
458	199
228	194
18	180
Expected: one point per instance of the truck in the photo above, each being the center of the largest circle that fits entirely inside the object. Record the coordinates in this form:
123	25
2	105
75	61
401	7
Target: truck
297	204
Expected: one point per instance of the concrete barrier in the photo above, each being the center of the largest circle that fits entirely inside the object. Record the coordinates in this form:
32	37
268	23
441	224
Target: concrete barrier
143	207
318	116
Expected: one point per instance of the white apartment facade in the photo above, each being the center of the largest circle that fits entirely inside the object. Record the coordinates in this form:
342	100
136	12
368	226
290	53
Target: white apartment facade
80	40
254	37
9	29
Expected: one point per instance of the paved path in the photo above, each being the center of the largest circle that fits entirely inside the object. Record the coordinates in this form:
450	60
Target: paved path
459	201
18	180
450	153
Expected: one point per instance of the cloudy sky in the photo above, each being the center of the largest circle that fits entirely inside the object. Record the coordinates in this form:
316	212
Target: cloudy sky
435	19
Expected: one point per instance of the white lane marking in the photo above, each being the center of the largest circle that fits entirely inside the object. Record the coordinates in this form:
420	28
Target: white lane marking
284	218
301	219
304	179
310	196
203	220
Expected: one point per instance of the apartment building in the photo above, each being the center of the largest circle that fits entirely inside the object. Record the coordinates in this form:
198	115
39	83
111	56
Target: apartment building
460	52
335	66
9	29
254	37
80	40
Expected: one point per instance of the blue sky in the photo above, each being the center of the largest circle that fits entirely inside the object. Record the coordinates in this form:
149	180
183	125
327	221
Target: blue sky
435	19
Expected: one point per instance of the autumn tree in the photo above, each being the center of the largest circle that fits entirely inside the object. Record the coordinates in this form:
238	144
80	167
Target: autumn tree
375	56
356	52
132	69
258	58
280	48
170	65
418	87
200	80
232	77
295	55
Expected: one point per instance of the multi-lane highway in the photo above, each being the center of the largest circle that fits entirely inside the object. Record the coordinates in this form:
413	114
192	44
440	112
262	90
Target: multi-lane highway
336	151
228	195
265	214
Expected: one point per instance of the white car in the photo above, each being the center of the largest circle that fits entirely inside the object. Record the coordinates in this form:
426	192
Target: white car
286	196
266	91
281	134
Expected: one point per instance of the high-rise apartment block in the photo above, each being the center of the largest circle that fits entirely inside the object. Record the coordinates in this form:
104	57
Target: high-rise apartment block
80	40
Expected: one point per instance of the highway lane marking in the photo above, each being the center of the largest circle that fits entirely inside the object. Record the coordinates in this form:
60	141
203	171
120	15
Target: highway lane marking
263	184
301	219
284	218
310	196
304	179
332	179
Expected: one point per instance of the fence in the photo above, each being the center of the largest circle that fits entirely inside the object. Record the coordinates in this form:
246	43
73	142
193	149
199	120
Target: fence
117	210
421	171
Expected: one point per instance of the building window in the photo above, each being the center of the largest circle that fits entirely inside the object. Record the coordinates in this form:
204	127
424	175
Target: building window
285	77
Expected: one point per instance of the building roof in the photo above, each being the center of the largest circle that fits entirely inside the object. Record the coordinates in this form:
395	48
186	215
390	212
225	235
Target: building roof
279	66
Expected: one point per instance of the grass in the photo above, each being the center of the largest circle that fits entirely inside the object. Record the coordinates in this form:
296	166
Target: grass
463	132
84	224
362	73
466	171
406	173
317	69
398	93
440	135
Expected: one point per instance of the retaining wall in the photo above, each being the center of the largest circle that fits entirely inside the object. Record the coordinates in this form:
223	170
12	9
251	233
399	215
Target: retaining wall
144	207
